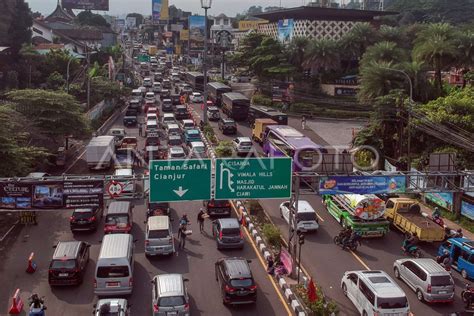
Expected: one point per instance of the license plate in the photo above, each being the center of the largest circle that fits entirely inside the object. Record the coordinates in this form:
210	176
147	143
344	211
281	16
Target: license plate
63	274
112	284
172	313
443	292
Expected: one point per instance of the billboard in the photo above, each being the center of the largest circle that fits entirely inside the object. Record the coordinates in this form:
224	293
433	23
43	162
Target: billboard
362	184
184	35
51	194
102	5
159	10
285	30
445	200
196	32
131	23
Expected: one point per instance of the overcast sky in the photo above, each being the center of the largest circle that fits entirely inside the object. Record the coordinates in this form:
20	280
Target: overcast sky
228	7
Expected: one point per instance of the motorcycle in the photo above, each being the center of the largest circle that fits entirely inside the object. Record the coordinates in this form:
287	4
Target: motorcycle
438	220
36	304
352	243
412	250
467	296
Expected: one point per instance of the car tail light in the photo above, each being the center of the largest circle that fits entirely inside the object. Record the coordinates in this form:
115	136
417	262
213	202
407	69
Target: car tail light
428	289
92	219
229	289
186	307
253	288
95	283
130	282
220	235
50	271
155	308
72	218
147	242
241	235
210	204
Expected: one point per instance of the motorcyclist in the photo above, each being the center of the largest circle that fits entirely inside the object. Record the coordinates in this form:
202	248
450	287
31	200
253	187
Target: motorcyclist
36	305
410	240
346	234
458	233
436	213
468	296
353	237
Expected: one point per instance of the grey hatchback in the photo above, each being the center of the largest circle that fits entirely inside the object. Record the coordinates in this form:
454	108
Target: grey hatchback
170	296
227	233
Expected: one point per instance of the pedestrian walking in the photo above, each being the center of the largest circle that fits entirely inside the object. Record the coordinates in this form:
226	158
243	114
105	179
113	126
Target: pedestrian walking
182	239
139	158
303	122
200	219
140	129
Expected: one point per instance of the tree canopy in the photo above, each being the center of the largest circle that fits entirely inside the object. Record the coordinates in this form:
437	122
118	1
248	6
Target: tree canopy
91	19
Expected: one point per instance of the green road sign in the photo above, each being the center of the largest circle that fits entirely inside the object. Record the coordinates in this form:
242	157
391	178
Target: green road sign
180	180
143	58
253	178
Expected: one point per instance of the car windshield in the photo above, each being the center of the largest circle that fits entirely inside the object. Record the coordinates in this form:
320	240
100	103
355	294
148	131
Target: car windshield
116	219
63	264
113	272
158	234
153	141
244	143
175	141
171	301
82	214
241	282
229	123
178	155
441	280
307	216
391	302
231	231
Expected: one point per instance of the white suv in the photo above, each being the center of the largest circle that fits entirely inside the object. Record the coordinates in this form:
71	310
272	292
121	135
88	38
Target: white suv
242	145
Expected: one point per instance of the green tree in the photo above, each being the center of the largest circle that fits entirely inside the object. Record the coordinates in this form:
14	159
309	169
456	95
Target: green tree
91	19
296	53
376	80
18	157
241	58
54	113
355	42
387	52
436	44
11	80
224	149
393	34
56	60
268	60
102	88
322	56
55	81
29	53
19	31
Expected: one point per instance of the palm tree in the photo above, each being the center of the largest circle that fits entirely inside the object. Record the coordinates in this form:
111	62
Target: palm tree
376	79
28	52
322	55
436	44
296	51
383	52
422	90
355	42
393	34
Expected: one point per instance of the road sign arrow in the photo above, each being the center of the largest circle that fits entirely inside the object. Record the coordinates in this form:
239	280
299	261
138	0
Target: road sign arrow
180	192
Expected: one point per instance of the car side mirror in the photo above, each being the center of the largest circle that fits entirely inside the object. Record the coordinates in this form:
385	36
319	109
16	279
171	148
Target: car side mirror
54	247
135	240
144	222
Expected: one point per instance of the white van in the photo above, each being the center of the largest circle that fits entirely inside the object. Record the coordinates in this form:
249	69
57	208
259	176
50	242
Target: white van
159	236
151	127
168	118
137	94
114	268
306	218
374	293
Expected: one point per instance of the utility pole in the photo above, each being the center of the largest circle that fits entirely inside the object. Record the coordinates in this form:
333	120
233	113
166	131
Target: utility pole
88	78
204	57
292	241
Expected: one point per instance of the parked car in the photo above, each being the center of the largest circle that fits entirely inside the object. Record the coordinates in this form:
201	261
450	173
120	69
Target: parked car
242	145
152	141
235	281
114	306
196	97
85	219
430	281
306	217
166	83
159	236
227	126
154	209
217	207
168	118
170	295
227	233
69	263
186	89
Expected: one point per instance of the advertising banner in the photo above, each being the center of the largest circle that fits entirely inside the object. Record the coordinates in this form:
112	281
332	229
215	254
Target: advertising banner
131	22
184	35
285	30
176	27
51	194
102	5
156	10
165	13
120	23
362	184
196	32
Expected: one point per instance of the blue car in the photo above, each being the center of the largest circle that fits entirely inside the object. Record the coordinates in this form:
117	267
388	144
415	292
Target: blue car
192	135
461	253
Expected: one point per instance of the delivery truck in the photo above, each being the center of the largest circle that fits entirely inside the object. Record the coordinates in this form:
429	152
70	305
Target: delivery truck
99	152
363	213
152	50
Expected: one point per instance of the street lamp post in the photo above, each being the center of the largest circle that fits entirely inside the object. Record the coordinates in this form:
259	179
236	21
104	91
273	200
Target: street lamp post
205	4
409	113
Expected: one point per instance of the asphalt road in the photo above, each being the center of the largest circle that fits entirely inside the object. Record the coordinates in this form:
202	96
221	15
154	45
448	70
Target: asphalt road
327	262
196	262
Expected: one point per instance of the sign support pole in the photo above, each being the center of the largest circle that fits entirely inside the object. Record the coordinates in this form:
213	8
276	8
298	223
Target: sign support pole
292	242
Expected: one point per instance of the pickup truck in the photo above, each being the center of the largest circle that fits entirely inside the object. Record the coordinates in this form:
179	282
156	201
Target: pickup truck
405	214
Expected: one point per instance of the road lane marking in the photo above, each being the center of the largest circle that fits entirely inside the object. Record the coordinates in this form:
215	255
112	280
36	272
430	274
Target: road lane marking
320	218
264	265
360	260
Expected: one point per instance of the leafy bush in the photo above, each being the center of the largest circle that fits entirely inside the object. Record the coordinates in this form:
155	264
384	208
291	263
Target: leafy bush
272	235
224	149
320	307
260	99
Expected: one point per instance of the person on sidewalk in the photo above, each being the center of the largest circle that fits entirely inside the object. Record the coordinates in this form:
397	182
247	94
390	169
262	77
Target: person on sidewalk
200	219
182	239
303	122
140	129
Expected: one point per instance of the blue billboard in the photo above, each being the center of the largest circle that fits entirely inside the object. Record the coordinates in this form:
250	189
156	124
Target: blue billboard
156	10
285	30
196	32
362	184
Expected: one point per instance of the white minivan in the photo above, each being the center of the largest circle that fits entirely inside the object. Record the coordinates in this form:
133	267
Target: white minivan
374	293
137	95
114	268
306	218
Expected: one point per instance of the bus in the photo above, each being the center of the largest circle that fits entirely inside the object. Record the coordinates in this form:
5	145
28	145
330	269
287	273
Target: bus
260	111
235	105
215	91
196	80
285	141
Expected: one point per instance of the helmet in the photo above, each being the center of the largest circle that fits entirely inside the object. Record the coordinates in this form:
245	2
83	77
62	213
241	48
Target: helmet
201	209
459	230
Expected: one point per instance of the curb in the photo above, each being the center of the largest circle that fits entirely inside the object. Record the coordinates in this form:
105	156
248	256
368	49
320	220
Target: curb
288	293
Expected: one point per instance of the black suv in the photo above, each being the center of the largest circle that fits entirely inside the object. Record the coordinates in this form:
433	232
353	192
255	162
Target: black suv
85	218
130	120
181	112
236	281
135	105
69	263
217	207
175	98
227	126
167	105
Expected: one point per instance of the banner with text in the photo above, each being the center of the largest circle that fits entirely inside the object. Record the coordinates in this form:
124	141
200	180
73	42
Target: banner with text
362	184
196	32
51	194
102	5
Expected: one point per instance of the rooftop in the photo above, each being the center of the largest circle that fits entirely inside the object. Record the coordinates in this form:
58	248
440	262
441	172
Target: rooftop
313	13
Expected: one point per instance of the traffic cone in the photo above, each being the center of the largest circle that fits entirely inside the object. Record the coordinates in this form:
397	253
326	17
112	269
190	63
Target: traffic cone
31	264
17	304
